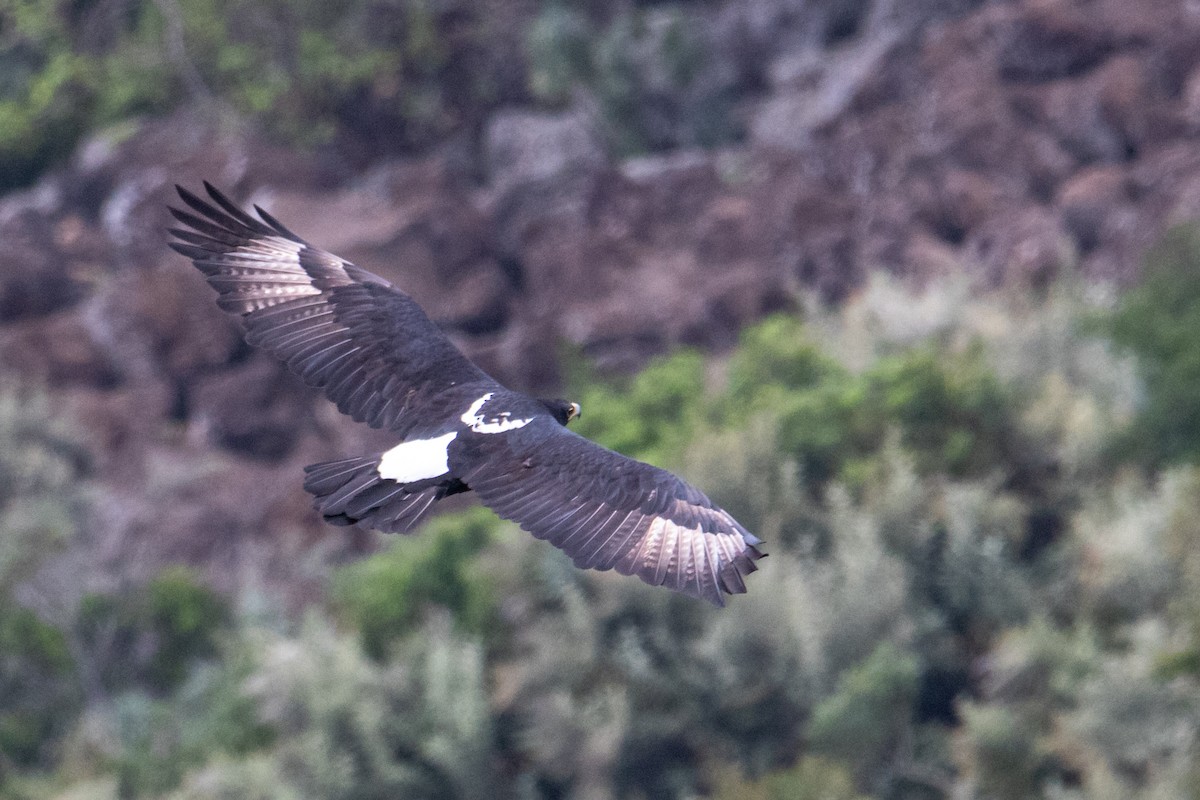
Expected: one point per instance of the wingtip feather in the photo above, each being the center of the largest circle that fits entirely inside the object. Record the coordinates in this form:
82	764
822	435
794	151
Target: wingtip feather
277	225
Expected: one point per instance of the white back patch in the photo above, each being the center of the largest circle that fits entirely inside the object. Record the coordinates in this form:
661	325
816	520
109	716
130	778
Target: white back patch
416	460
498	424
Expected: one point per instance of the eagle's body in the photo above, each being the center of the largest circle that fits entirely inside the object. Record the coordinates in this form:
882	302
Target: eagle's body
377	355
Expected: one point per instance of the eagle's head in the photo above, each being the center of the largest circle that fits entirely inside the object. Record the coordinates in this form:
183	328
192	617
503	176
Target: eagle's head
562	410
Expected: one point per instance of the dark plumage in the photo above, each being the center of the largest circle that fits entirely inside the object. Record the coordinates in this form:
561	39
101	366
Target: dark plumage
375	353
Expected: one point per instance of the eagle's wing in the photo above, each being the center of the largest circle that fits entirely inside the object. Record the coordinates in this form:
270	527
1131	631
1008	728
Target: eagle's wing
367	344
607	511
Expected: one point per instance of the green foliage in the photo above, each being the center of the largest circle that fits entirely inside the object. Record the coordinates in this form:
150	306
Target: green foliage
385	596
779	371
647	69
302	69
392	75
813	778
964	598
1159	322
161	738
650	416
385	75
45	92
67	75
352	728
41	469
1006	758
186	618
559	50
861	721
154	635
954	415
39	691
780	352
966	576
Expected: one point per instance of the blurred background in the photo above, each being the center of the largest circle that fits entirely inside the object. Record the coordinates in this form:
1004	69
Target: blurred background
911	287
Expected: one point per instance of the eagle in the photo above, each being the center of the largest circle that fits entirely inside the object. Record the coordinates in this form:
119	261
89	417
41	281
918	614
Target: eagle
375	353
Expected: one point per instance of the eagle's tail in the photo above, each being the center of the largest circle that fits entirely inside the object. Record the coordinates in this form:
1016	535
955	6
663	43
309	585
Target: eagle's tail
351	492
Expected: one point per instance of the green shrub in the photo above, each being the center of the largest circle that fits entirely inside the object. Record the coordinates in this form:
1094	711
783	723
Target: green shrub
39	690
352	728
778	351
186	619
391	75
861	722
968	578
652	415
559	48
152	636
813	778
827	428
385	596
952	411
42	469
42	473
160	739
953	414
647	70
46	94
778	371
1006	756
1159	322
307	72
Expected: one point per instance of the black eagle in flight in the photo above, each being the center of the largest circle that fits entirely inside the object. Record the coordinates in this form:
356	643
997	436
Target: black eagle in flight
375	353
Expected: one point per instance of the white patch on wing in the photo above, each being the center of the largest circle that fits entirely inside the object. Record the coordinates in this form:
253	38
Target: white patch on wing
498	424
469	417
416	460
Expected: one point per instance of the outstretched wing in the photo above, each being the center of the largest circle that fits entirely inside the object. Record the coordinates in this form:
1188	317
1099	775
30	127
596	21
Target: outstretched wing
367	344
607	511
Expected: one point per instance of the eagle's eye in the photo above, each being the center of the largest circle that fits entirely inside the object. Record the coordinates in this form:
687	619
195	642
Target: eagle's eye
575	411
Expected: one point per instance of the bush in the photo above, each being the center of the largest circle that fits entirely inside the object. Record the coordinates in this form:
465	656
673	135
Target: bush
952	412
813	778
383	76
386	595
903	639
778	351
160	739
649	71
154	635
46	95
861	722
42	469
39	689
1159	322
650	416
1006	758
352	728
186	619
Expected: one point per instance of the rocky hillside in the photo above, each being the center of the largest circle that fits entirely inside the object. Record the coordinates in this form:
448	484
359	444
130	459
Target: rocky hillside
1019	141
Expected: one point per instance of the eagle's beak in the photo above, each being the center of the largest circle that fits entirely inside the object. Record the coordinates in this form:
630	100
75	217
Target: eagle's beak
576	411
